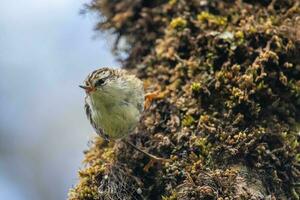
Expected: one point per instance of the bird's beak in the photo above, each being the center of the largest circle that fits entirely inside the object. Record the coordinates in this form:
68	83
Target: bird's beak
86	88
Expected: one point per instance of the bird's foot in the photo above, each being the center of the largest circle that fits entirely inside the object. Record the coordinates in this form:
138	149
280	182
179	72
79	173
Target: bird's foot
153	159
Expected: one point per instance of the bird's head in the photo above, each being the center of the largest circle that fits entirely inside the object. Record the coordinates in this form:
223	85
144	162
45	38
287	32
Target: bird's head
97	80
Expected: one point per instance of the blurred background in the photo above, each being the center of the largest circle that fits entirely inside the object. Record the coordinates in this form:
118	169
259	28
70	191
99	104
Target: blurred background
46	51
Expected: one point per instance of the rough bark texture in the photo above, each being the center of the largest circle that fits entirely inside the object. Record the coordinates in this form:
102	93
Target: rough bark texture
228	112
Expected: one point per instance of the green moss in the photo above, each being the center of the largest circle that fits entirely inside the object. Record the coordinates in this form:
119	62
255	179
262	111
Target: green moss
297	158
96	160
295	87
239	35
295	193
173	196
206	17
172	2
203	145
188	120
178	23
196	87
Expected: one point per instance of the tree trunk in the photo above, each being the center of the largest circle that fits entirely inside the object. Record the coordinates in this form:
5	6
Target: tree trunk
227	114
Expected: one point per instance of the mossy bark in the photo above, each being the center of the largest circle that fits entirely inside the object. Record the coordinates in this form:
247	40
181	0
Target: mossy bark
228	111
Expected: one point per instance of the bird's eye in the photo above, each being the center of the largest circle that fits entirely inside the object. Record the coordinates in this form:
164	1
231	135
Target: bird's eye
99	82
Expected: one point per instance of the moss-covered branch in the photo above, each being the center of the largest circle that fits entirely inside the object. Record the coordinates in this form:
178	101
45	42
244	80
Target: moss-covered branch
229	109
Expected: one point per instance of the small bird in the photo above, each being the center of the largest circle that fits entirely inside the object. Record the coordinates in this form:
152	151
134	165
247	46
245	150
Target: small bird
114	103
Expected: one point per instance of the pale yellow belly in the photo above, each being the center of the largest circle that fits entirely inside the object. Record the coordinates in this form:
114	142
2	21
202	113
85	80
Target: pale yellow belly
117	121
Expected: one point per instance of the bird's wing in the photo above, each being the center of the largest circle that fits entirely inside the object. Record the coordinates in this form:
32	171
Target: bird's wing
98	130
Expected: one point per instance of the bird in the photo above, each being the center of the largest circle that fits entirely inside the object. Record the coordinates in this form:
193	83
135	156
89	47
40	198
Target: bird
114	103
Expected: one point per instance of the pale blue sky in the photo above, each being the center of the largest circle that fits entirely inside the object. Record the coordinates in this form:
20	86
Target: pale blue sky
46	50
